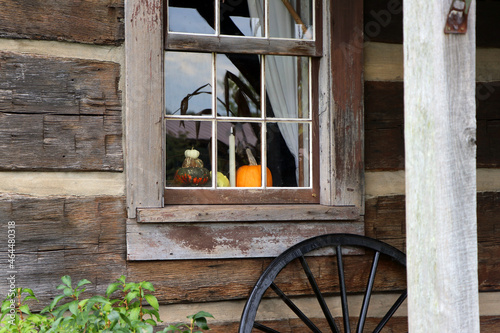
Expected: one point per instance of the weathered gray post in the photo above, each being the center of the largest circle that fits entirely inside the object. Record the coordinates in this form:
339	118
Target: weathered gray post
440	131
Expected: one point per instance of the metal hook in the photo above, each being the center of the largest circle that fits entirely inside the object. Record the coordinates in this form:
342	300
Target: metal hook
456	21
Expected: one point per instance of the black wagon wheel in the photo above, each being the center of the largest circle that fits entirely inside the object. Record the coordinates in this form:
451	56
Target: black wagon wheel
338	242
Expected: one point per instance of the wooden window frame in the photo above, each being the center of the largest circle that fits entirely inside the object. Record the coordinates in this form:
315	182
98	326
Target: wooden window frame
340	130
224	44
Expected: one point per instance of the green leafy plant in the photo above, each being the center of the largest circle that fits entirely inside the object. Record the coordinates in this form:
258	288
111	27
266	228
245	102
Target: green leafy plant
16	316
197	320
89	315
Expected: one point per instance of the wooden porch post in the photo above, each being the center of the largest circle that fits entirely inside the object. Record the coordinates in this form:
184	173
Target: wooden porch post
440	132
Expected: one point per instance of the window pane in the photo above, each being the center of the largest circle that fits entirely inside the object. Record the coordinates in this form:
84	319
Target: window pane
288	154
291	19
192	16
188	135
287	86
238	85
188	78
242	17
232	141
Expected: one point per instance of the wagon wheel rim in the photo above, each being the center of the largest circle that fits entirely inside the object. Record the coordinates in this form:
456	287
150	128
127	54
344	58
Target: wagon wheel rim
298	251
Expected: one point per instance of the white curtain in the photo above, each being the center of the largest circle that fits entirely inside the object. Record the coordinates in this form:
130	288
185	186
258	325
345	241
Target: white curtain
281	74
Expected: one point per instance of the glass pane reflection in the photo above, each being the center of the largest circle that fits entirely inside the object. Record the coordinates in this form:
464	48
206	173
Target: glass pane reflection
191	16
238	85
187	83
242	18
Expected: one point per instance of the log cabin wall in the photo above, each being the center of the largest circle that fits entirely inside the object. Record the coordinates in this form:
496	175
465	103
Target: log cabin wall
384	140
61	157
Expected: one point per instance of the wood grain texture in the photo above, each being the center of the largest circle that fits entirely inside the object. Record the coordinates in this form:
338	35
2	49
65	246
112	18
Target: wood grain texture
385	220
83	237
59	114
83	21
144	104
232	279
384	113
247	213
240	44
347	95
181	241
384	133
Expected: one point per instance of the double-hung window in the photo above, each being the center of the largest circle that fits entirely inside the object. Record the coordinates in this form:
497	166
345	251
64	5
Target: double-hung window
241	91
243	125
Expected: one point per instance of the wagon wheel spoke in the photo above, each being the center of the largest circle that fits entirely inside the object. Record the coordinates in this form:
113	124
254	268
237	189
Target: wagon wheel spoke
391	312
368	293
264	328
298	251
319	296
343	293
294	308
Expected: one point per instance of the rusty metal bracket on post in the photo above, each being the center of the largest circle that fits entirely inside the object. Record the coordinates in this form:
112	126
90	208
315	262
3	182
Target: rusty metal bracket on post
456	21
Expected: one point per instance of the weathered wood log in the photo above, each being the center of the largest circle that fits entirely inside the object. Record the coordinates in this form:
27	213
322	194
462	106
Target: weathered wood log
83	237
213	280
488	124
384	137
385	220
59	114
88	21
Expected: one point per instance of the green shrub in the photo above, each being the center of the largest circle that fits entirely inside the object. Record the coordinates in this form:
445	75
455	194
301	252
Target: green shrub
96	314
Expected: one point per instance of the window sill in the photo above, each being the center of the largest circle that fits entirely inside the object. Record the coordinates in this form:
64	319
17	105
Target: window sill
247	213
232	231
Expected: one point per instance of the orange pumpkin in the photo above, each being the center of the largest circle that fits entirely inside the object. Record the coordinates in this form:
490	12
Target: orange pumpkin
251	175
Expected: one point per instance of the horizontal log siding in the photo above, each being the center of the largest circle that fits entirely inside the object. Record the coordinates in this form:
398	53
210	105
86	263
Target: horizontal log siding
83	237
384	145
384	135
71	121
385	220
59	114
89	21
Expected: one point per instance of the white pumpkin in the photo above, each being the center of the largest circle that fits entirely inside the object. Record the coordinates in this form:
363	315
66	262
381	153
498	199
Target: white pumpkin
192	153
